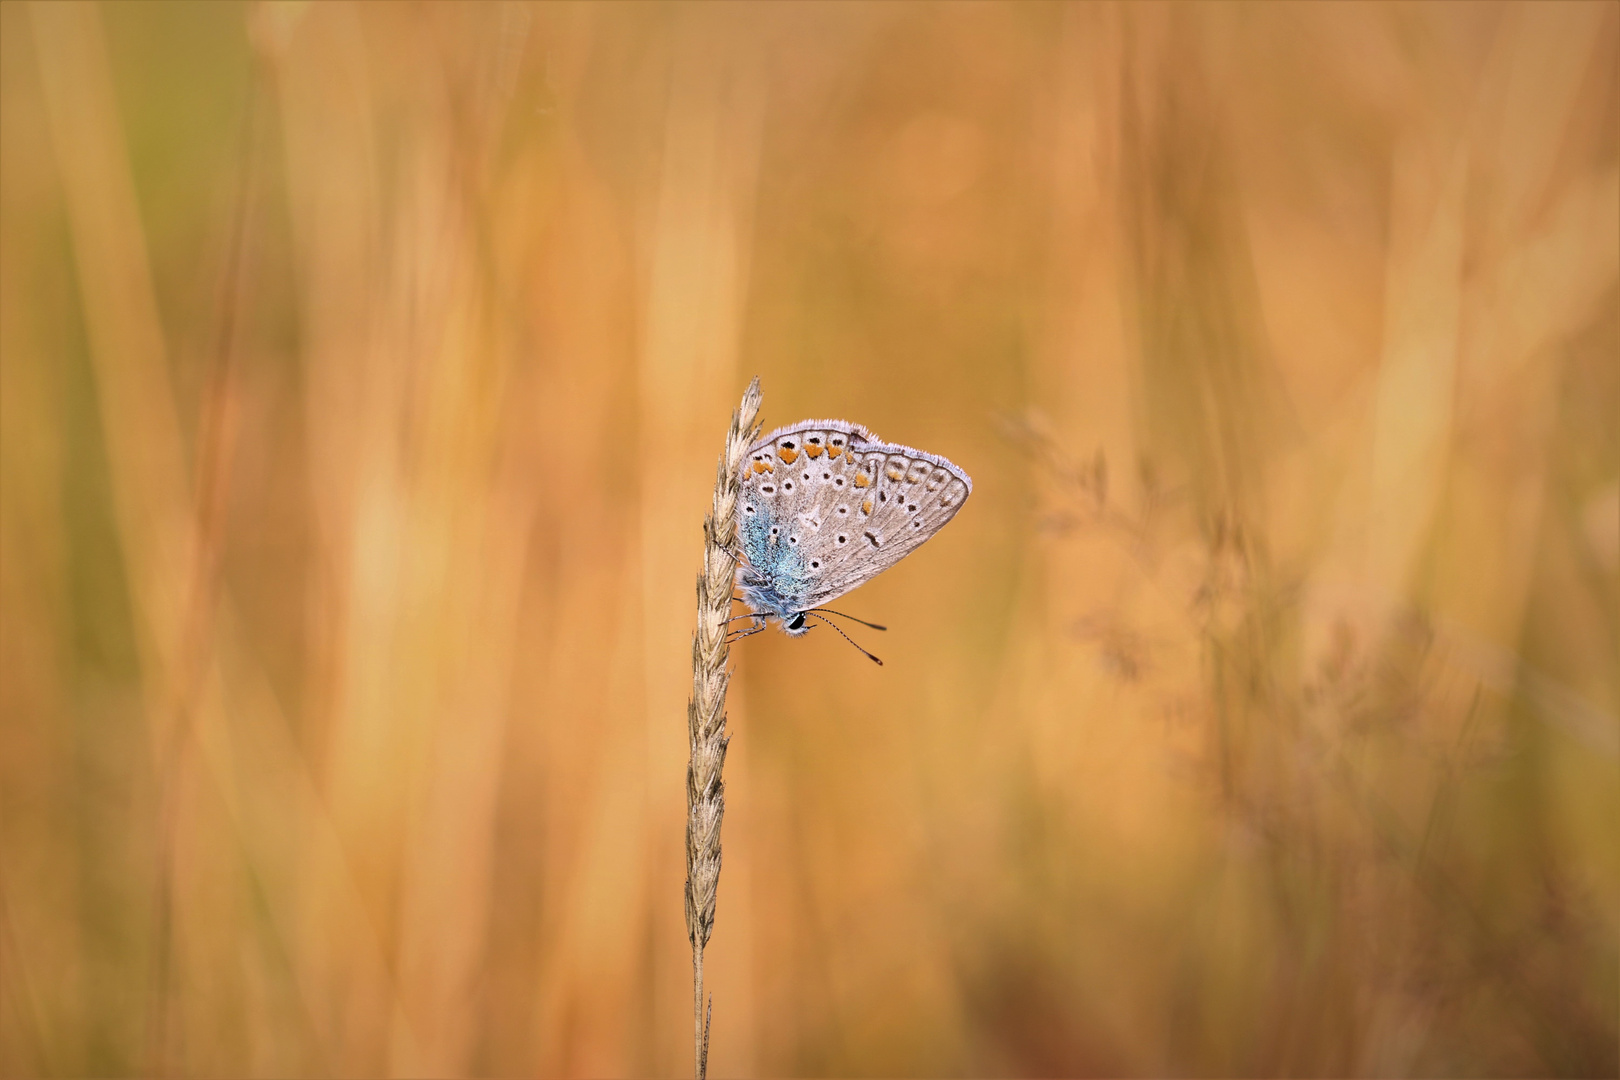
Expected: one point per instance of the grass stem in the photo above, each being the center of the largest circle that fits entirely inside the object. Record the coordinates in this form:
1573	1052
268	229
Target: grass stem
706	712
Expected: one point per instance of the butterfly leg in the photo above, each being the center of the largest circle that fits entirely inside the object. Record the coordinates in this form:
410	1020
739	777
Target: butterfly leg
739	635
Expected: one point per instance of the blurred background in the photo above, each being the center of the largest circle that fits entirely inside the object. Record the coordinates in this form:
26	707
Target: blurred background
363	369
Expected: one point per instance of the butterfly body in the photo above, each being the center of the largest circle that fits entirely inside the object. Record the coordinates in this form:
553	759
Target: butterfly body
826	506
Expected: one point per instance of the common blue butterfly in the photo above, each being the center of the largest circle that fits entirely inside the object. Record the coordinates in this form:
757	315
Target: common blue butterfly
827	506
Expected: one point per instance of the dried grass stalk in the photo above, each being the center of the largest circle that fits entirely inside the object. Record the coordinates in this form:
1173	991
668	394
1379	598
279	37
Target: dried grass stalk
706	713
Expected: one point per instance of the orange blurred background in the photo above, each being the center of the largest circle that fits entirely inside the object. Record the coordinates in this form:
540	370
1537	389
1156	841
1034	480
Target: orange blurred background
363	369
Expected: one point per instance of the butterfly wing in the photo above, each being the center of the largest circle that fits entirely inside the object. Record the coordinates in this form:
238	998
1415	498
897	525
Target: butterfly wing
791	480
844	506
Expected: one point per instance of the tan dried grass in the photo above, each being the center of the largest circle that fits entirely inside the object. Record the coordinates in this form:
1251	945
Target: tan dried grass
706	712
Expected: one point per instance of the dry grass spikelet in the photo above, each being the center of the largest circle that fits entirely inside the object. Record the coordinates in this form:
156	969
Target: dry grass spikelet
706	712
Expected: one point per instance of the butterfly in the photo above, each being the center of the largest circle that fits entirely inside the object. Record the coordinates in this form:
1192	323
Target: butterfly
827	506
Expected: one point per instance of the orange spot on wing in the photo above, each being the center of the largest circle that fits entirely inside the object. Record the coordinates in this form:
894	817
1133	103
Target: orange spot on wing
834	451
866	507
895	472
813	450
764	467
787	455
862	480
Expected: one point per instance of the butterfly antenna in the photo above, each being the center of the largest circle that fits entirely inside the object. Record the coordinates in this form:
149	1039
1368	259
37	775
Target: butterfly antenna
852	618
845	636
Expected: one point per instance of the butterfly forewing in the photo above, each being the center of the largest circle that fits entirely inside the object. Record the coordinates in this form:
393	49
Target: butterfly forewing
901	500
